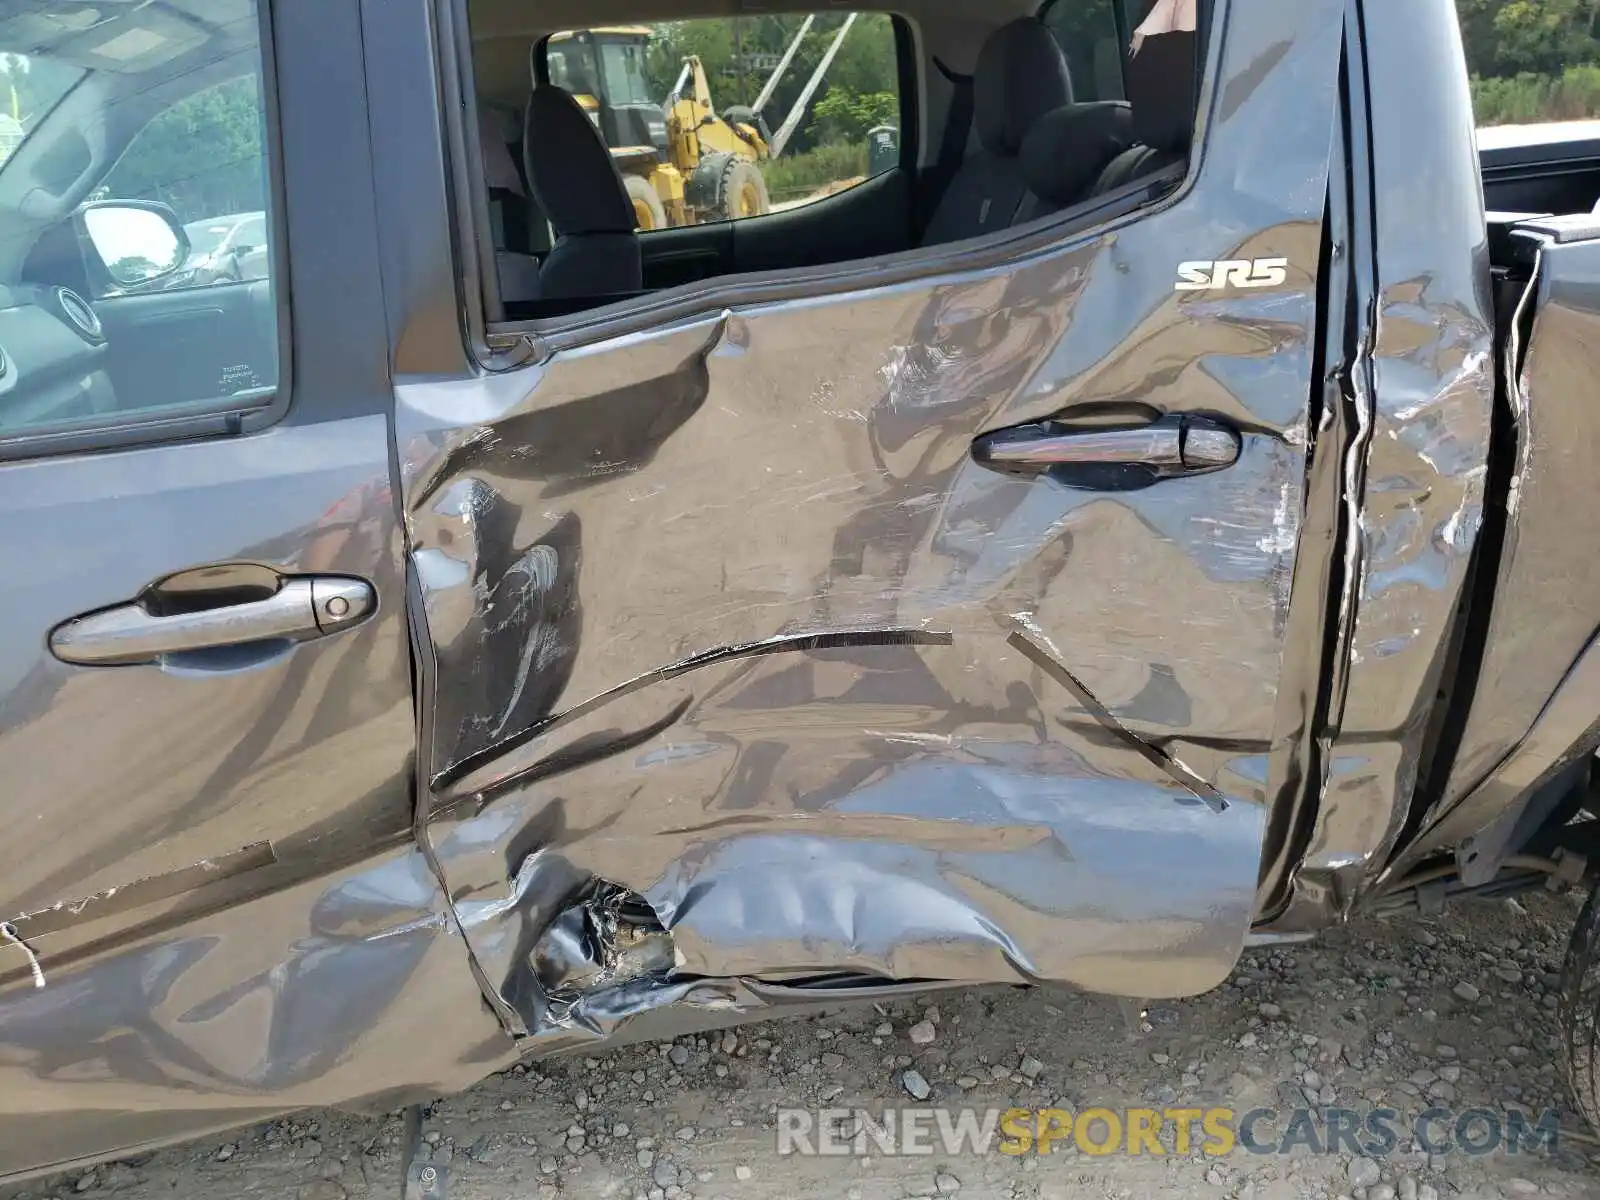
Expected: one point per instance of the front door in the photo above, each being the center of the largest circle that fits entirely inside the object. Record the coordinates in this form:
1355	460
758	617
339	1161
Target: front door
213	907
764	665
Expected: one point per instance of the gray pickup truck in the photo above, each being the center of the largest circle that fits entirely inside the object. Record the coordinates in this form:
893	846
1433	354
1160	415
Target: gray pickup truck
1150	512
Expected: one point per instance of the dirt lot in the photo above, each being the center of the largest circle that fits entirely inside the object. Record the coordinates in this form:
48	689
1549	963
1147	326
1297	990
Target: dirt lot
1404	1014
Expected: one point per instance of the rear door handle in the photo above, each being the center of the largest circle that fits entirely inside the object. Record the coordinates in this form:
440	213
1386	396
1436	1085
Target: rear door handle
303	607
1111	459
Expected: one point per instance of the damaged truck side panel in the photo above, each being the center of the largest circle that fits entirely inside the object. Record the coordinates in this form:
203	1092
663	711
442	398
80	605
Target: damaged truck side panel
712	673
1416	375
746	679
1534	710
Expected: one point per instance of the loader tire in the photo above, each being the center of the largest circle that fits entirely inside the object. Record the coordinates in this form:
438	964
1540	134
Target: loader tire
1579	1021
741	191
648	211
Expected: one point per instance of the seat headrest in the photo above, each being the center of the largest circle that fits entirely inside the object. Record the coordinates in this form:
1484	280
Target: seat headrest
1066	150
1161	87
1020	76
569	168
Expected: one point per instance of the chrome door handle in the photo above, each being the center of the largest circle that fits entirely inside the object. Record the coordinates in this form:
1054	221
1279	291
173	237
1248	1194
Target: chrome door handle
1111	458
303	607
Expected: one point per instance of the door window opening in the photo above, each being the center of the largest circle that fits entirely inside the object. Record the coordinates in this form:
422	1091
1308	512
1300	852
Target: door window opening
795	126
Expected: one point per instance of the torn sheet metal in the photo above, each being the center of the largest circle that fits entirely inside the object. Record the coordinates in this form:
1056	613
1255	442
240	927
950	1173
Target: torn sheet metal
724	616
1420	493
905	835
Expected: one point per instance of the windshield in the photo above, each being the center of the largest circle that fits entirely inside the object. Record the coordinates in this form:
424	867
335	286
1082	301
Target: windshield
29	88
570	69
623	66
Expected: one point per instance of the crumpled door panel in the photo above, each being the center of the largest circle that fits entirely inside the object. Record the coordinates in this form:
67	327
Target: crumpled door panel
1533	707
750	682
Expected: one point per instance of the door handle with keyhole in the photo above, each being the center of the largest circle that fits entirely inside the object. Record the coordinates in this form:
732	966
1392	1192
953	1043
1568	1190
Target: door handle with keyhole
302	608
1111	459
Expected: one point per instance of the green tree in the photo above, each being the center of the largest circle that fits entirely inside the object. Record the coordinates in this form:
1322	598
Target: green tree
1532	60
203	156
843	115
866	61
864	66
1511	37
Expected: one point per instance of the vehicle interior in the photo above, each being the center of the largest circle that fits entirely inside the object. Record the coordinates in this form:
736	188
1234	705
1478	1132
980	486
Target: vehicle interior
87	335
1009	113
1002	115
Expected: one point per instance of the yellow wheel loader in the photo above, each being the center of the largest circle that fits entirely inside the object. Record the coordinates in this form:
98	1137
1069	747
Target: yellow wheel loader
682	163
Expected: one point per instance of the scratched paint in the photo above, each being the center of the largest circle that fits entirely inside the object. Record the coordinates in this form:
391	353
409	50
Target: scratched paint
725	619
1416	481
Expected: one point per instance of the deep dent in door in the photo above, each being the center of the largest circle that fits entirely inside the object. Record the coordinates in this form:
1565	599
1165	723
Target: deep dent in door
751	687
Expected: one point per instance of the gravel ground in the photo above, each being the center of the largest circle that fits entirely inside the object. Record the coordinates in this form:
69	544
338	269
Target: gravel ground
1405	1013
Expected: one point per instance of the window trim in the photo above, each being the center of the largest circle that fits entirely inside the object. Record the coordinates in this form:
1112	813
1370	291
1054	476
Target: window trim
907	84
510	344
913	98
467	191
1124	21
224	416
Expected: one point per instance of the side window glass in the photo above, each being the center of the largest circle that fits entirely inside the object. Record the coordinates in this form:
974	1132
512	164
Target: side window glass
203	157
727	118
1088	33
105	299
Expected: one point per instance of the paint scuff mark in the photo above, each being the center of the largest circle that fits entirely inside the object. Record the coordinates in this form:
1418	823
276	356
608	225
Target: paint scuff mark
64	914
1285	526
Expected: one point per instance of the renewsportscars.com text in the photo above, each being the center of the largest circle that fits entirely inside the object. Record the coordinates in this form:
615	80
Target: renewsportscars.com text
1369	1132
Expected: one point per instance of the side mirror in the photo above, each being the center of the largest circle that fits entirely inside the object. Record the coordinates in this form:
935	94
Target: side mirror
136	241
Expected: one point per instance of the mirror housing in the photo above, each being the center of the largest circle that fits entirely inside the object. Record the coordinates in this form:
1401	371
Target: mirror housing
131	243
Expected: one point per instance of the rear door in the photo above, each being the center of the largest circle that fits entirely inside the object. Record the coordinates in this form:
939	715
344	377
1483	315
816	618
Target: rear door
755	671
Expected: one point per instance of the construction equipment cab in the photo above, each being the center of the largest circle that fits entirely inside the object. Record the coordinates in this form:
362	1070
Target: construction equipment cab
680	161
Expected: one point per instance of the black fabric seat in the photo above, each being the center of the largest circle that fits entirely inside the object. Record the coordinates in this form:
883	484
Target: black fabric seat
1162	90
576	182
1066	152
1021	75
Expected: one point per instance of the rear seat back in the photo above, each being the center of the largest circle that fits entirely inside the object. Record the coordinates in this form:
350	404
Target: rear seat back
514	219
1066	152
1162	89
1021	75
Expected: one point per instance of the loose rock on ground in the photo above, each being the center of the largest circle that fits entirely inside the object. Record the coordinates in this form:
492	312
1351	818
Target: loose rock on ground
1458	1012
